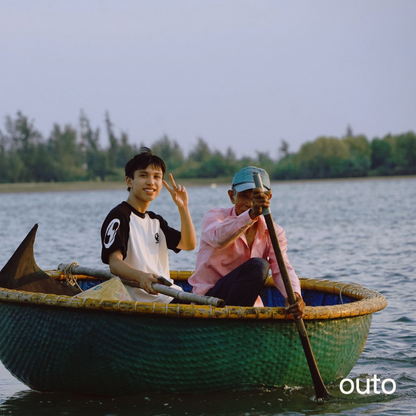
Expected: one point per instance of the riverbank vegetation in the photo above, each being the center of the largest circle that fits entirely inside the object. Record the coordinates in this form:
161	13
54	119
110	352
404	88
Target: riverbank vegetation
71	154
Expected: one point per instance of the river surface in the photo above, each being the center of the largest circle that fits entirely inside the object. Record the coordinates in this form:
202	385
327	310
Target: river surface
358	231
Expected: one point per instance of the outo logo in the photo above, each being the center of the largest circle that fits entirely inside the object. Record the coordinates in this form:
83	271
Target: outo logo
111	232
367	390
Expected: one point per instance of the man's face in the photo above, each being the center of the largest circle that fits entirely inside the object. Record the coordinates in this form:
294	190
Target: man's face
241	200
146	184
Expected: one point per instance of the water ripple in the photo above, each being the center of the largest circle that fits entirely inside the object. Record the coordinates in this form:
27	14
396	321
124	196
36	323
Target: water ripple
352	231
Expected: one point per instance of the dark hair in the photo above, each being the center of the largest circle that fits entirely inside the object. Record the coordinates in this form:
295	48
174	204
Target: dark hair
142	160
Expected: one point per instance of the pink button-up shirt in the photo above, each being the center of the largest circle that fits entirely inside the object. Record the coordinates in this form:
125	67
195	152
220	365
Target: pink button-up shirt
223	247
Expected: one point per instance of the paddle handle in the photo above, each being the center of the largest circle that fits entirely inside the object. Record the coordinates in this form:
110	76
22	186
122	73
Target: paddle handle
276	246
320	389
280	260
160	288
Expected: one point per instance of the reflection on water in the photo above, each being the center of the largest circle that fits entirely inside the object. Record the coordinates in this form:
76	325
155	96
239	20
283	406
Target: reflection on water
264	401
352	231
229	402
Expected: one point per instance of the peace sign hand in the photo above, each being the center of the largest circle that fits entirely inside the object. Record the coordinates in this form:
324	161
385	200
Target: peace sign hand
177	192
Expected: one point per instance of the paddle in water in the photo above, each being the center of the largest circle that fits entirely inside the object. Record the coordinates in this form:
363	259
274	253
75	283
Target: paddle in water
320	389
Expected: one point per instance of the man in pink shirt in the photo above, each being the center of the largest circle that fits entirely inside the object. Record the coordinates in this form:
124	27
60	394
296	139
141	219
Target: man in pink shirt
236	253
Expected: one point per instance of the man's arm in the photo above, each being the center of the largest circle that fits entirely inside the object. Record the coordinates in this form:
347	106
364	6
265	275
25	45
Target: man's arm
219	230
180	198
123	270
188	237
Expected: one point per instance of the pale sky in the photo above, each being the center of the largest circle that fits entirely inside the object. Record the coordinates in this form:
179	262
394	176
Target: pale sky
237	73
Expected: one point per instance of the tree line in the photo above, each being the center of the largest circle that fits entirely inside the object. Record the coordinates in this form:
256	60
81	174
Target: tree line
75	154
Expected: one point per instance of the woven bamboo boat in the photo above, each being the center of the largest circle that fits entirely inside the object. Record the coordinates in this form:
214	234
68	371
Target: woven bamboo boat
55	342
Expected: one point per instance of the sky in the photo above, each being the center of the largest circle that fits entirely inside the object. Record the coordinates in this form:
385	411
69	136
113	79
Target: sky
236	73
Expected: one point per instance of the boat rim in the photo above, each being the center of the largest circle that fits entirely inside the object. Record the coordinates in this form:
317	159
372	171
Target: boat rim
367	301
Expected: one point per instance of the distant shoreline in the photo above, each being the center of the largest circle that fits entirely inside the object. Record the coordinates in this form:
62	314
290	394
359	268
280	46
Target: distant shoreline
6	188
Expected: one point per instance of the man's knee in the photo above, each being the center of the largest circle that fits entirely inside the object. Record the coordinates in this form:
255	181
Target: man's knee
261	267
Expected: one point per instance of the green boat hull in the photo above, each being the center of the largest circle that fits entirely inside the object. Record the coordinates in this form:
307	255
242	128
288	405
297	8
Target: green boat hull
55	342
57	349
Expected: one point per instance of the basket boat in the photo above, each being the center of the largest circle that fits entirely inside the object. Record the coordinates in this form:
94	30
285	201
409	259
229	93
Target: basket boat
58	343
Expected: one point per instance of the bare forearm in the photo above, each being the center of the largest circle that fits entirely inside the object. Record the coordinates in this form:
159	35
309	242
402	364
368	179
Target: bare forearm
188	237
123	270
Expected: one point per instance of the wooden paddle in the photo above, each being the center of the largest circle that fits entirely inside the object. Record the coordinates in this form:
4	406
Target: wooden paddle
320	389
160	288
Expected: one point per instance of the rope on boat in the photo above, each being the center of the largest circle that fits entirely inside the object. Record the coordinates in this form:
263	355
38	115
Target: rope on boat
69	275
347	284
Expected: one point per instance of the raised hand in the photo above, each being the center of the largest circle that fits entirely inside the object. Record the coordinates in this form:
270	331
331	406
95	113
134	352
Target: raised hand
177	192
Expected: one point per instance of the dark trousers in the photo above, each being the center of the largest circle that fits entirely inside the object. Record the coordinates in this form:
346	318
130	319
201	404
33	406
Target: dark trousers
242	286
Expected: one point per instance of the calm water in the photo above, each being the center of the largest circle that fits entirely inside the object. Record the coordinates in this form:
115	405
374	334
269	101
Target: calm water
353	231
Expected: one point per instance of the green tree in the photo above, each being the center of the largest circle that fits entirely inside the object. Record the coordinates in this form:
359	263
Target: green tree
170	152
44	167
14	168
67	154
96	159
381	157
201	151
405	153
23	138
231	162
324	158
327	147
213	167
4	160
283	150
125	151
360	156
264	161
358	146
286	168
114	144
25	156
230	155
349	132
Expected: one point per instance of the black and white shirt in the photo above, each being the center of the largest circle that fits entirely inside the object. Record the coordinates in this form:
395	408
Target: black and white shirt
144	240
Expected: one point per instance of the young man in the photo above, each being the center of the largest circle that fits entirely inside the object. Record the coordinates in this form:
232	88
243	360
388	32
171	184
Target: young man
135	241
235	251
